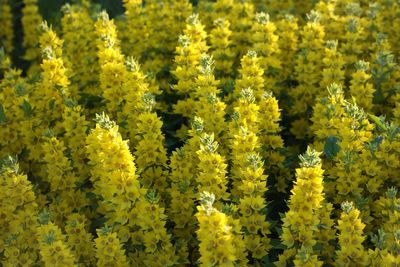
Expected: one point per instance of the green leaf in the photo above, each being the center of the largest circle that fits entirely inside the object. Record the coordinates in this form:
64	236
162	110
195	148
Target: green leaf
277	244
278	230
3	118
52	104
318	247
377	141
123	124
378	122
70	103
266	262
27	108
331	148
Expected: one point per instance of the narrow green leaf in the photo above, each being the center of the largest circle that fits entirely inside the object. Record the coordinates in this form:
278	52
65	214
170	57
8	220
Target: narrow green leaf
378	122
52	104
27	108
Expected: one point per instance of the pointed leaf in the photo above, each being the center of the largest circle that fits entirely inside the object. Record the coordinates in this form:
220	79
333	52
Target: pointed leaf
27	108
331	148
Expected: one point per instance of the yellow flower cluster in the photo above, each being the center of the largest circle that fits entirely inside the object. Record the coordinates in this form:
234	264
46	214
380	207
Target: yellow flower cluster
251	75
78	33
113	72
301	222
308	61
109	250
16	112
219	242
7	34
361	88
350	237
221	49
30	24
122	200
151	155
113	173
265	43
79	239
211	169
19	212
183	178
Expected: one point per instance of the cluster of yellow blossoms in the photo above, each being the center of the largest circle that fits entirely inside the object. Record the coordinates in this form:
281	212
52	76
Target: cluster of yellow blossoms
200	133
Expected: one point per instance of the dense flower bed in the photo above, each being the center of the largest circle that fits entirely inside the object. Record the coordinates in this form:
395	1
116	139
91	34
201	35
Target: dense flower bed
226	133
